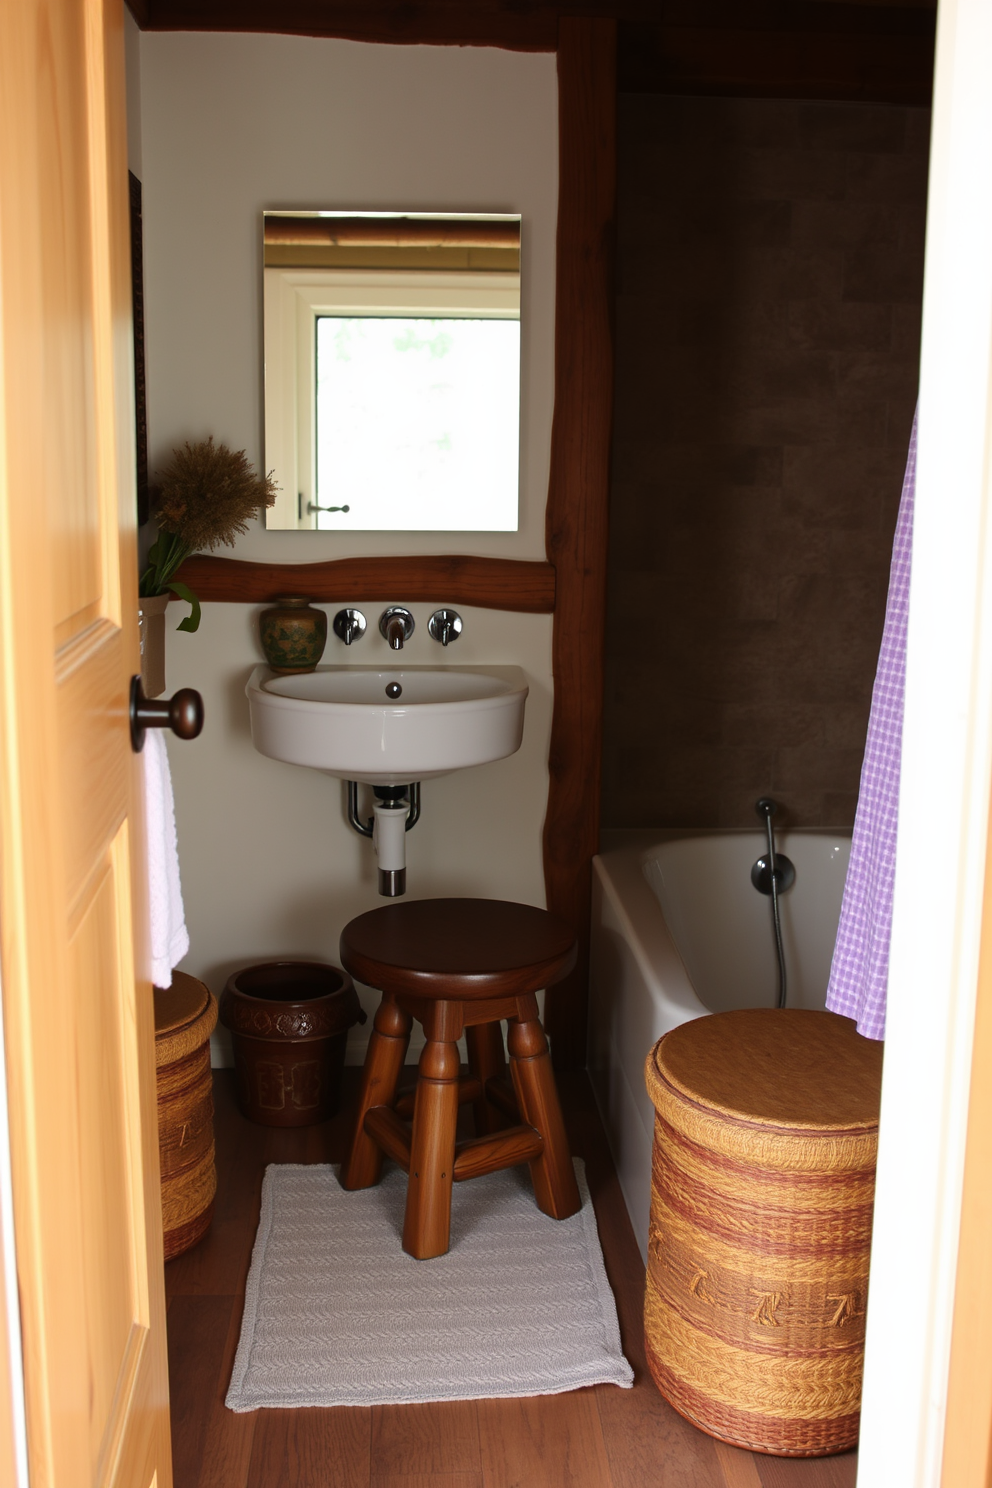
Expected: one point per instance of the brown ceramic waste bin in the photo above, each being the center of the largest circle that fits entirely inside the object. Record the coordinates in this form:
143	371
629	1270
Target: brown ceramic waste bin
289	1024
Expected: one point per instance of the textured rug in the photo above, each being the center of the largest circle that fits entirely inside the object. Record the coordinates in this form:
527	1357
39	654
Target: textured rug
337	1314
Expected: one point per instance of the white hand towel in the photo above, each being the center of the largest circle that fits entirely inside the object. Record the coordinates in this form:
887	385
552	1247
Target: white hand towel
168	939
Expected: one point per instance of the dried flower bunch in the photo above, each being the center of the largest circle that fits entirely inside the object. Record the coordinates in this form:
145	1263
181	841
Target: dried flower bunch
206	495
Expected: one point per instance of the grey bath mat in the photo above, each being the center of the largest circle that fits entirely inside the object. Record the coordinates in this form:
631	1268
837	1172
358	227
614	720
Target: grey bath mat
337	1314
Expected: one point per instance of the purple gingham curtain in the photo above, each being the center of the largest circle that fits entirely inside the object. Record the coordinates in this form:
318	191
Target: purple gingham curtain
860	972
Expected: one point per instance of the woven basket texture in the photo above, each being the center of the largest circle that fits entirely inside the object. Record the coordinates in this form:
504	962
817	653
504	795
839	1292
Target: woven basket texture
760	1231
185	1126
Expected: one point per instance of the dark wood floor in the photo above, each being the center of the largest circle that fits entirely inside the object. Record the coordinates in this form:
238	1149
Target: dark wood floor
594	1438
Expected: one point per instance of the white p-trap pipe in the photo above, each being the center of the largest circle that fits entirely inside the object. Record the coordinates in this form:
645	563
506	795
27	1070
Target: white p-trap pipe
389	840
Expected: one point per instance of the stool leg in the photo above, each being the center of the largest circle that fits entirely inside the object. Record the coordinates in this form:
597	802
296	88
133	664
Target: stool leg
486	1061
552	1173
427	1222
380	1076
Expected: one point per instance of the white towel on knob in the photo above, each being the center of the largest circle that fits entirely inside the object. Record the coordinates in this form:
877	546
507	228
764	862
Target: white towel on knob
168	939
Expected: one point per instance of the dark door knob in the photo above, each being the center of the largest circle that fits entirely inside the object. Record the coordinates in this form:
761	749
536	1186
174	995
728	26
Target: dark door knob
183	713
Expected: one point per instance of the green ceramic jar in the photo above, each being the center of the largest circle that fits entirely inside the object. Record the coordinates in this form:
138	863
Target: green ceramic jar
293	634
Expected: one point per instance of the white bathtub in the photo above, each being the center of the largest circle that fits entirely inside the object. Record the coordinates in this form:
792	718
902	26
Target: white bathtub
678	931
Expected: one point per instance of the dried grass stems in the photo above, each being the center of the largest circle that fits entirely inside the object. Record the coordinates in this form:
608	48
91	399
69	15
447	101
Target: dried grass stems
206	496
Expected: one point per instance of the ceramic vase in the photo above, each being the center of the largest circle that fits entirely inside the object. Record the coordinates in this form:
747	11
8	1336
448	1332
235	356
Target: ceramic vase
293	634
151	632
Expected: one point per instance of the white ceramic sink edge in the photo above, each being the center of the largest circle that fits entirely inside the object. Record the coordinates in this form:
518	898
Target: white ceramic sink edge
339	719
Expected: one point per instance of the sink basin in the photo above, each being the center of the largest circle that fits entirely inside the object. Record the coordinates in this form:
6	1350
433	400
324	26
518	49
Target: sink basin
341	719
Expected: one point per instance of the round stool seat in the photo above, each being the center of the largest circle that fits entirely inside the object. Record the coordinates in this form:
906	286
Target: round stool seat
458	949
762	1187
459	966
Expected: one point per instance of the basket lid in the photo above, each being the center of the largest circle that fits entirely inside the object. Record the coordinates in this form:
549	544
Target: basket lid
783	1067
185	1016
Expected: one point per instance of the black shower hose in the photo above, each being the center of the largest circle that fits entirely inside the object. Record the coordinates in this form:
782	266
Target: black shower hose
765	808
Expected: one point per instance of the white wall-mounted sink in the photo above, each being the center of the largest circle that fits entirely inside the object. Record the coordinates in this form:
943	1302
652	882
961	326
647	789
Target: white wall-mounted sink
342	719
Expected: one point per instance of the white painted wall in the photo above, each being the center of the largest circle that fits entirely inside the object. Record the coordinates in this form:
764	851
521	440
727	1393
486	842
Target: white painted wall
230	125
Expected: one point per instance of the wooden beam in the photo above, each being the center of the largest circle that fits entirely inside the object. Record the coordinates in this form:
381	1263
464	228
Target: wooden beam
492	583
431	22
741	62
576	521
864	51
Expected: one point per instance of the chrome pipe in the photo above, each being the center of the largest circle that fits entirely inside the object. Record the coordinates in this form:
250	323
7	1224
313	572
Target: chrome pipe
353	816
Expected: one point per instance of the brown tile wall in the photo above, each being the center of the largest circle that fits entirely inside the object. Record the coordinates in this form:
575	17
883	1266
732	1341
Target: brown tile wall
769	278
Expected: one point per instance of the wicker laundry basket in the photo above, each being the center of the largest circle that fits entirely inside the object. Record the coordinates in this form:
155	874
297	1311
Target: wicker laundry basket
762	1186
185	1017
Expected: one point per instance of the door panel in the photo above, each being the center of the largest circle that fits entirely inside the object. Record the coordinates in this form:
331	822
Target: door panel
95	760
78	1026
107	1246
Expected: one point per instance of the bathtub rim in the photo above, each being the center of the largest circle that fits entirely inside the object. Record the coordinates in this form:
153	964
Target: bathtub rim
619	866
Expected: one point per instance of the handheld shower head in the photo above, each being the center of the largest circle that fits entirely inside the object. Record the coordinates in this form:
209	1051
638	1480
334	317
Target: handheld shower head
773	875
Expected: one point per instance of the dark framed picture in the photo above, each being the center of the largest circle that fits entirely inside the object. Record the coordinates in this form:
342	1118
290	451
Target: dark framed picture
138	309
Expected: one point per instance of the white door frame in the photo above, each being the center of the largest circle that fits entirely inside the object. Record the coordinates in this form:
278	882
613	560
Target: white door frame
944	801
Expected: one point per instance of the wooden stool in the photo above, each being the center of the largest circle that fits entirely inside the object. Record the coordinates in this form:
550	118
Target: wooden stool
761	1203
459	965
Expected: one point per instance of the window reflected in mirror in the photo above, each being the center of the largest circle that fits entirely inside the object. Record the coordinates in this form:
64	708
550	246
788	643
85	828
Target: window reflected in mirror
392	371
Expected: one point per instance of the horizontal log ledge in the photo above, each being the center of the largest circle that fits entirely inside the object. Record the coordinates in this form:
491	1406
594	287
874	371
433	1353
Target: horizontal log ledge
491	583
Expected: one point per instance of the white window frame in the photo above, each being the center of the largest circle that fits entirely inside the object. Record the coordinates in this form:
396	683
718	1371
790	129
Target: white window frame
293	301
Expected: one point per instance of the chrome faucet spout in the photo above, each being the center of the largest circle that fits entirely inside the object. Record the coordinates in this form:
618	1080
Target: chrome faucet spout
396	626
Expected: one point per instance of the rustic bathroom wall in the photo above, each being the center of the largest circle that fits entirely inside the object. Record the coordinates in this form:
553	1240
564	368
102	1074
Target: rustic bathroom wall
770	260
232	123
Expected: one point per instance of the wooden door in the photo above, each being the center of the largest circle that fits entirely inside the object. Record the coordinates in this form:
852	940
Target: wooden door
78	1029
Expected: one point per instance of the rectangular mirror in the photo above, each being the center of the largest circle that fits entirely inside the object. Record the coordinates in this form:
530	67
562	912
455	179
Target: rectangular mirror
392	371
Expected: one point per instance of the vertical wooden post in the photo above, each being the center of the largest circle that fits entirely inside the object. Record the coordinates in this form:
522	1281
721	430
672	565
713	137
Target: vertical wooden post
576	521
427	1219
552	1173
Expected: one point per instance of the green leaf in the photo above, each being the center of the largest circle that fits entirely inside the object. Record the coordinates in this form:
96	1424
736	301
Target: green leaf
192	621
165	555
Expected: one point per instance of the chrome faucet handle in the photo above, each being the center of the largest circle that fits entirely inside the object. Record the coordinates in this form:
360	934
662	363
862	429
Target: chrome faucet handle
349	625
396	625
445	626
